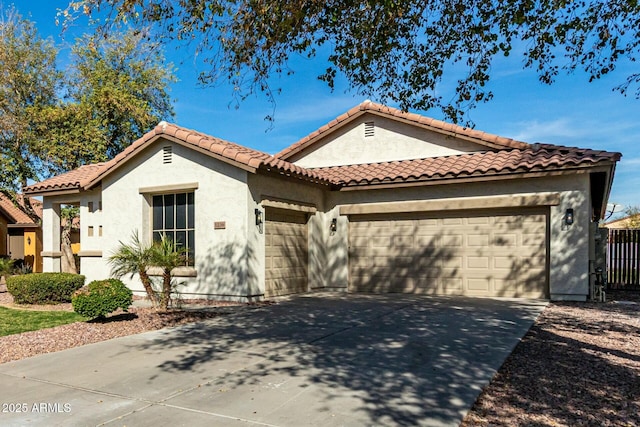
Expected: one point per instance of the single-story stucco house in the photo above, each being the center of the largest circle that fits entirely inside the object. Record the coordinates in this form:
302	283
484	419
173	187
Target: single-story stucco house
20	233
377	200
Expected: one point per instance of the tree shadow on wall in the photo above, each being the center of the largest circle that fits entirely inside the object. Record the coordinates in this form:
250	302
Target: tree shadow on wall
225	268
406	262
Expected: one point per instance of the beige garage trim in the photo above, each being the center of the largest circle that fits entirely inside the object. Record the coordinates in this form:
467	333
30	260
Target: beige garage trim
482	202
490	252
286	252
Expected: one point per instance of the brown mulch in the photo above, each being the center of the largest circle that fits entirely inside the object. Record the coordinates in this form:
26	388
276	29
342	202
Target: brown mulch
579	364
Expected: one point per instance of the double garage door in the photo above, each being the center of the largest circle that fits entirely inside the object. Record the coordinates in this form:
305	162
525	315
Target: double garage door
475	253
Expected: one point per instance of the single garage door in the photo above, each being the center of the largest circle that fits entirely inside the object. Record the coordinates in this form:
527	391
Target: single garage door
475	253
286	252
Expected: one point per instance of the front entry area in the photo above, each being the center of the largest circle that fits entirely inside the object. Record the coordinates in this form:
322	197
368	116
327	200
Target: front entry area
487	253
286	252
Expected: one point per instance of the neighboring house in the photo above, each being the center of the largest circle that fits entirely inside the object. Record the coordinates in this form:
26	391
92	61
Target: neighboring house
632	221
20	235
377	200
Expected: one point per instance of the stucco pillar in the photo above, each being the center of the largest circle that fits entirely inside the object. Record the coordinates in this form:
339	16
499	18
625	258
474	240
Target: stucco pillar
51	253
569	269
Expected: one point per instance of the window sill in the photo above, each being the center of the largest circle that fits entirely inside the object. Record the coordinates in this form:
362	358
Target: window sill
176	272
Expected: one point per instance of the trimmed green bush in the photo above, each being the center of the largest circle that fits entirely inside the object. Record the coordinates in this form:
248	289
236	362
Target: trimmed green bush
6	266
44	288
102	297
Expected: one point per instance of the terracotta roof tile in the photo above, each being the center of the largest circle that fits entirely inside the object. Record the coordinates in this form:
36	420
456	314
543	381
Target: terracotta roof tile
87	176
479	137
72	180
519	158
538	158
17	214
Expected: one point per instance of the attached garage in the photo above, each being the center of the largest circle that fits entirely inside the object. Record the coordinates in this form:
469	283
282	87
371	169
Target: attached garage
476	253
286	252
376	200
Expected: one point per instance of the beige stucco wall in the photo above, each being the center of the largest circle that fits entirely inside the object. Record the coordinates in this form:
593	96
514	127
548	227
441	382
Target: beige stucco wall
91	246
230	262
261	187
392	140
221	196
569	245
51	230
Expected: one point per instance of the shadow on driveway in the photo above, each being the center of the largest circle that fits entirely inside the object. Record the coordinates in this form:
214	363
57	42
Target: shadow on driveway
349	359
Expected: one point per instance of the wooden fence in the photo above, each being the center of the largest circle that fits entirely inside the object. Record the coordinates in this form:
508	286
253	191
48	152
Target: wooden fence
623	259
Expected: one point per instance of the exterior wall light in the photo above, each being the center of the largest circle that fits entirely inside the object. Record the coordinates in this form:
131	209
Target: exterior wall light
258	213
568	217
28	241
334	225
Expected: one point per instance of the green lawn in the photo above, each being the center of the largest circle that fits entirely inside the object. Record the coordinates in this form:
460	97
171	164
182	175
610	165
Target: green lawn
18	321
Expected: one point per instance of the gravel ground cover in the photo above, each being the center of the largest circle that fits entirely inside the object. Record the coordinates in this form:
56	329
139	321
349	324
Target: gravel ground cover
579	364
119	324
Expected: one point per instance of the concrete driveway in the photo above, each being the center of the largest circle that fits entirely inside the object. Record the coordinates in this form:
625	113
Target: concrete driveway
311	360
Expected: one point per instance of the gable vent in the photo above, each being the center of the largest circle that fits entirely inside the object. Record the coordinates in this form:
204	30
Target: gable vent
166	154
369	129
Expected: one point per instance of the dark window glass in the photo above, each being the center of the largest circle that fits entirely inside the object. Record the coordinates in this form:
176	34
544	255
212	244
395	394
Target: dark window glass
174	217
181	238
181	210
190	211
169	211
157	213
191	244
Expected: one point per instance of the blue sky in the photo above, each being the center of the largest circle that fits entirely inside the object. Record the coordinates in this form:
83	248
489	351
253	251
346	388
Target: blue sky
571	112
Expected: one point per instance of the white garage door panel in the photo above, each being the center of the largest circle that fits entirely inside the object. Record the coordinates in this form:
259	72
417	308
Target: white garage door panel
286	252
482	253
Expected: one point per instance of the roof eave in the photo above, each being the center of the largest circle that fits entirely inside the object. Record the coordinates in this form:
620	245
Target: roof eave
605	198
275	171
98	179
53	191
426	181
23	225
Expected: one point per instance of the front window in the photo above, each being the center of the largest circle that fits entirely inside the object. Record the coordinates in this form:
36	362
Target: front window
173	215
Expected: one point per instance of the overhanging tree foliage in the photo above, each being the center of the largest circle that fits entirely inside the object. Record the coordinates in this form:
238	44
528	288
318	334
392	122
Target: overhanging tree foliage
392	50
117	88
114	89
28	84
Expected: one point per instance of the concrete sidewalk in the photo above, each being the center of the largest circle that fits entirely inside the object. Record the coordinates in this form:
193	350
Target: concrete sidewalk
312	360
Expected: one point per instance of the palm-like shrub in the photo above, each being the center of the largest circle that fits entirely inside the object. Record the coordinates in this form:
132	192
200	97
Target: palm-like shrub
167	255
134	258
137	257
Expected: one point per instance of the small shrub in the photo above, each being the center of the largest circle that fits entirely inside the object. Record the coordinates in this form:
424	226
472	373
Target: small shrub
102	297
6	266
23	269
44	288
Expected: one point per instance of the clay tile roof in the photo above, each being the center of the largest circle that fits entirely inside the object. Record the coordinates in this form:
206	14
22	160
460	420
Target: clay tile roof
87	176
16	214
513	157
537	158
483	138
72	180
